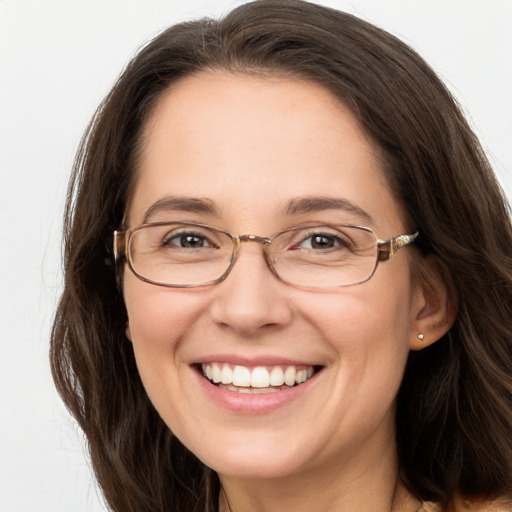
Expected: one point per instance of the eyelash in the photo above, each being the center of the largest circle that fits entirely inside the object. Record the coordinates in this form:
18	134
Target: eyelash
330	237
183	236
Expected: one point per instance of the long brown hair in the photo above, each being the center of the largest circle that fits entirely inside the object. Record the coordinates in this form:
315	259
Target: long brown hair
454	410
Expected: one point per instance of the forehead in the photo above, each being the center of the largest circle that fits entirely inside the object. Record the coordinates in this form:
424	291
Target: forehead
251	144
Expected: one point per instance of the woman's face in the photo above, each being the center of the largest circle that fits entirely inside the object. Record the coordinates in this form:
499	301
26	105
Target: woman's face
256	154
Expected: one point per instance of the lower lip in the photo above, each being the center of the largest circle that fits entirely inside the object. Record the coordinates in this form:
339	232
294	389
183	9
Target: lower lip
253	403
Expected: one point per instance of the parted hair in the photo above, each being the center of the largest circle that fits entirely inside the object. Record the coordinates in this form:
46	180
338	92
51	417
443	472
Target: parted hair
454	407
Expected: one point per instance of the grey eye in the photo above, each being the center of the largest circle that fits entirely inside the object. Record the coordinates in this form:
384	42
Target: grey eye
322	241
188	241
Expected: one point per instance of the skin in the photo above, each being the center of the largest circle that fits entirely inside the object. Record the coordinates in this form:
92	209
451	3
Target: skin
250	145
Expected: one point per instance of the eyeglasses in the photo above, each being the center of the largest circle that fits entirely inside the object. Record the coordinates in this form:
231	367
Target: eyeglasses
187	254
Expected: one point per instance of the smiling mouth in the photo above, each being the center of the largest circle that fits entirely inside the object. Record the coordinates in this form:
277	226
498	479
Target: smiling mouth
258	379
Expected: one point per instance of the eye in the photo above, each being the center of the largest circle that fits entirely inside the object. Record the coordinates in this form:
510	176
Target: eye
188	240
323	241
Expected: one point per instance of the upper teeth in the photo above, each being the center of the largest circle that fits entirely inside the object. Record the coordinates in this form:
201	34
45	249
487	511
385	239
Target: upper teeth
256	377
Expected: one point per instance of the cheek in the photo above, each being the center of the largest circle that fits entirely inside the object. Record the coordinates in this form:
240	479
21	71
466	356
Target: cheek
158	319
370	314
367	328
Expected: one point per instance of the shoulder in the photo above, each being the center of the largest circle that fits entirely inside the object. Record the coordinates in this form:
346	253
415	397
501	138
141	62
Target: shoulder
468	505
474	505
430	506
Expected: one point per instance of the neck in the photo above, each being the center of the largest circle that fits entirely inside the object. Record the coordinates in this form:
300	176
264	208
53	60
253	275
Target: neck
378	489
360	475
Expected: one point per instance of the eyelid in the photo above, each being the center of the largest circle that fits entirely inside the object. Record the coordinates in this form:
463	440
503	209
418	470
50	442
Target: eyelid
209	235
337	236
176	235
337	242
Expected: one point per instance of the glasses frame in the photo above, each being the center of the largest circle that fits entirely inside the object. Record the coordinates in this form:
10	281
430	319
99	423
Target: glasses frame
385	250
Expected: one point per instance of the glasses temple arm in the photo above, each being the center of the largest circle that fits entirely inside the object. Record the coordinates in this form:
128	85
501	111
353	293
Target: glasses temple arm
389	247
119	245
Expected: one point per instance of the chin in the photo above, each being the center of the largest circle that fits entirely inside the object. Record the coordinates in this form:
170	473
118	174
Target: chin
255	457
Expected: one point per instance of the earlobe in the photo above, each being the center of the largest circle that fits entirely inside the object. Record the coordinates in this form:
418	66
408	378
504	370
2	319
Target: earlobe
127	331
435	303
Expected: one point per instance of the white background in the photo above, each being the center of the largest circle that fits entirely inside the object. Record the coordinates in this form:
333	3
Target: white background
57	60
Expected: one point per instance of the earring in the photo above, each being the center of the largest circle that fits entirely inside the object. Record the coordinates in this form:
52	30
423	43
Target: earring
420	336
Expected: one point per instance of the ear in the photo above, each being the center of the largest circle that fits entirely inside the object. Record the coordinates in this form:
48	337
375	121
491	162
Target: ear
434	303
127	331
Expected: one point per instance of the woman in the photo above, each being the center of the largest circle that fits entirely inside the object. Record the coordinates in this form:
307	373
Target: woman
360	358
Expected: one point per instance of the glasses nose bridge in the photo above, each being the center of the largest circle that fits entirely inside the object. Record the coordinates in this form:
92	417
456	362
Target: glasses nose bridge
263	240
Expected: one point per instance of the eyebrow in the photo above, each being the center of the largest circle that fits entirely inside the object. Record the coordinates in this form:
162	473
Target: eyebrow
297	206
312	204
182	204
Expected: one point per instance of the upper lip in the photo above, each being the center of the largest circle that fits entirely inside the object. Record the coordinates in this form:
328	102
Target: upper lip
270	360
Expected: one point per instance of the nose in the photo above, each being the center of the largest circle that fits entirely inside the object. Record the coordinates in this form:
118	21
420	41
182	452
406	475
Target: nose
251	298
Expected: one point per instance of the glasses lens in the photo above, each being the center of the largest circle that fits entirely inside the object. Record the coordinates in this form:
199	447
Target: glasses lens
324	256
179	254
